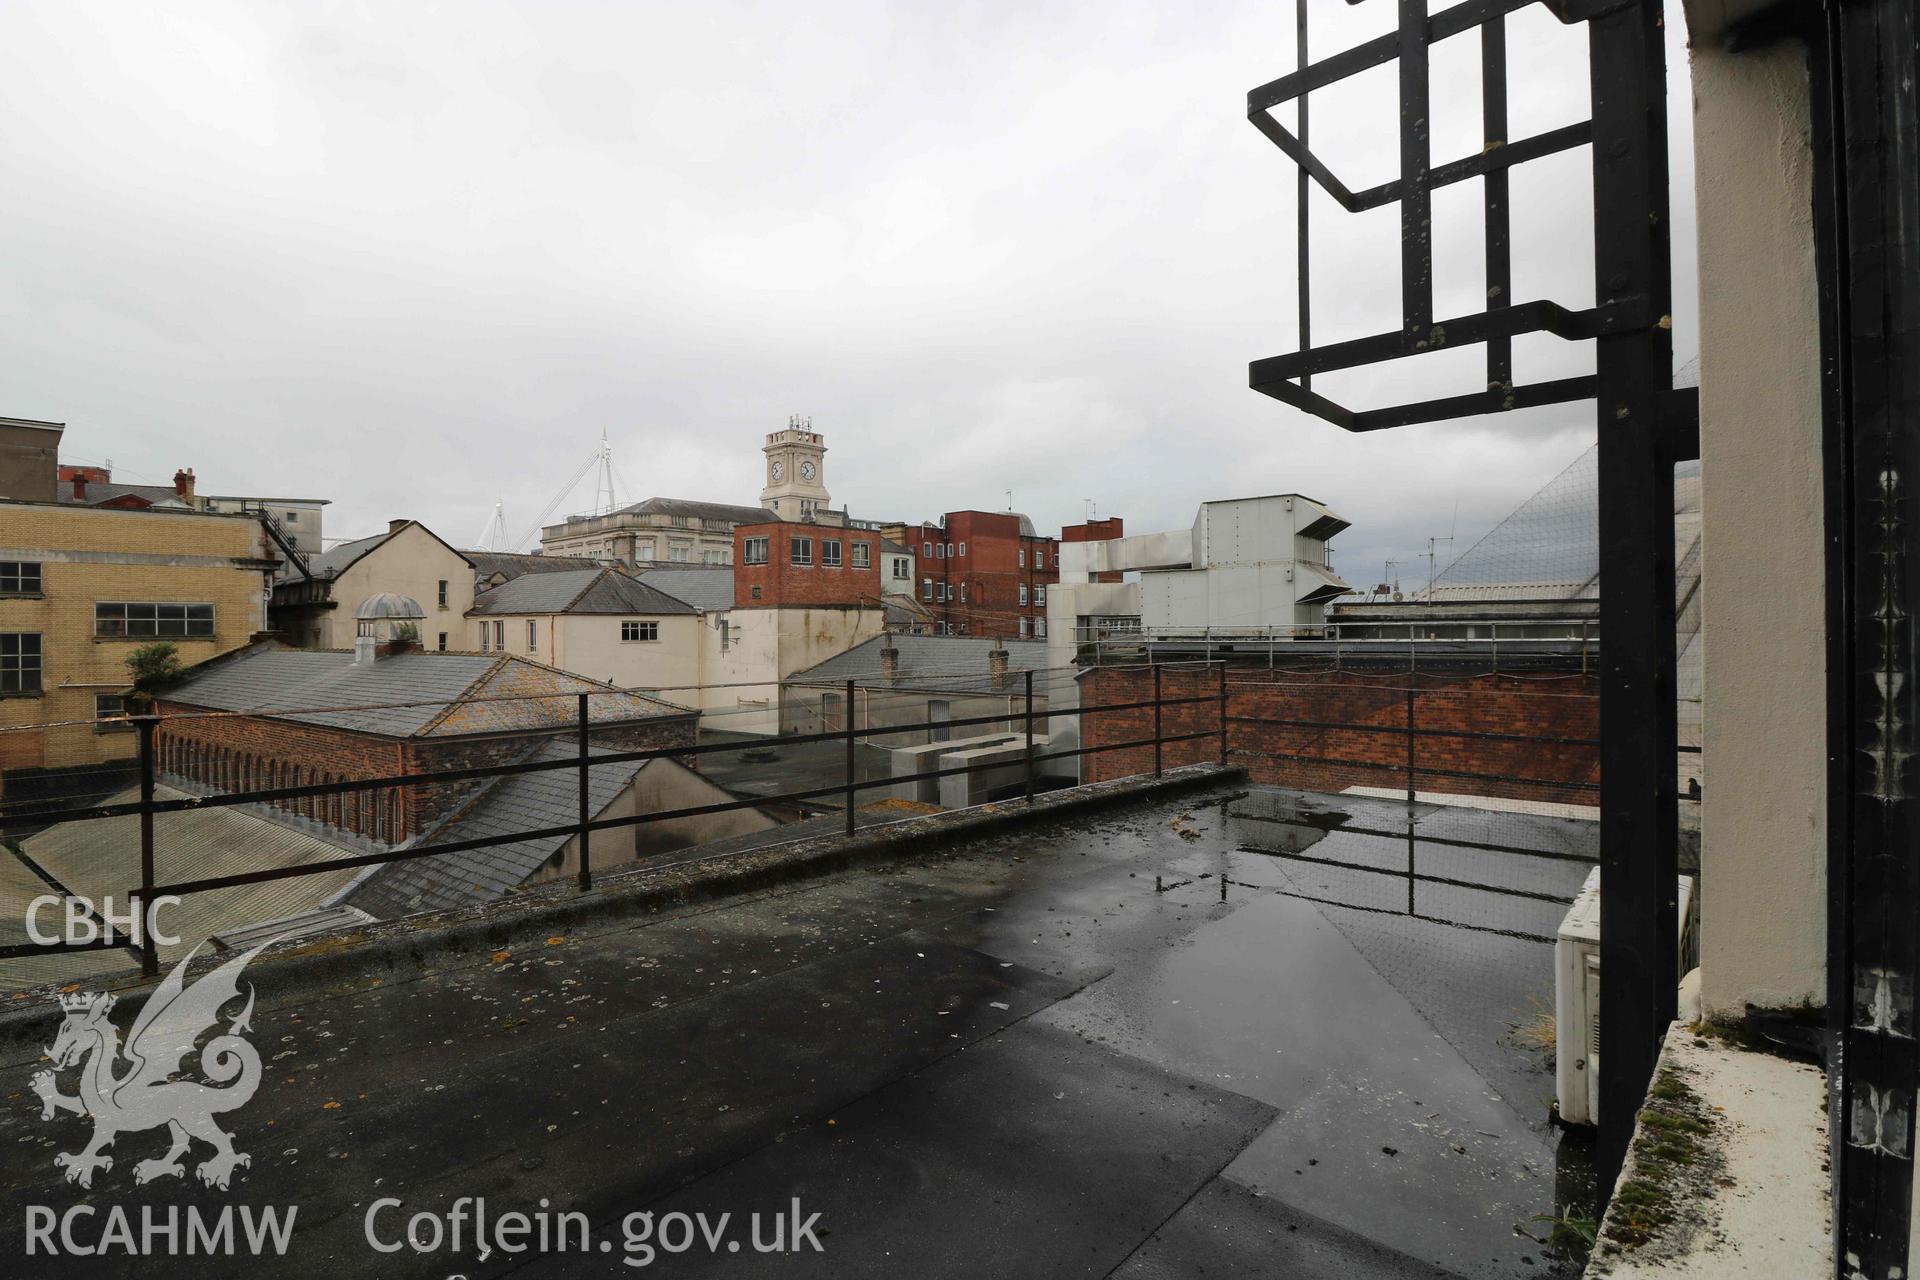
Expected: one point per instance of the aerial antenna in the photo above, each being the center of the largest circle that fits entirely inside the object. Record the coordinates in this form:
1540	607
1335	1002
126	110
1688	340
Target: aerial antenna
1090	507
1009	499
1432	556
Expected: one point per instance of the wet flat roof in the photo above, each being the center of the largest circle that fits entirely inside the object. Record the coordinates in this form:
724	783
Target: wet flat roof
1016	1057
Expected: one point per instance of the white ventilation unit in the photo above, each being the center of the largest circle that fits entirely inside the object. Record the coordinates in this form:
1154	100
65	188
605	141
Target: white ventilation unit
1576	998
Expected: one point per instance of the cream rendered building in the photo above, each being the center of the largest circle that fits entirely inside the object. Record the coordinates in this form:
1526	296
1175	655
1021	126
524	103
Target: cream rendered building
409	559
598	623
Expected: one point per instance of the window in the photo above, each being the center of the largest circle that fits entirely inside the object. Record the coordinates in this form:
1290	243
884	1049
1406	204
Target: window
926	588
902	567
801	550
677	555
726	636
500	636
443	642
109	707
963	593
926	548
754	552
293	517
1023	628
830	552
19	578
443	593
963	548
20	662
938	552
483	637
1040	596
714	557
1023	557
1040	628
756	591
639	631
1023	593
533	637
862	555
949	550
153	619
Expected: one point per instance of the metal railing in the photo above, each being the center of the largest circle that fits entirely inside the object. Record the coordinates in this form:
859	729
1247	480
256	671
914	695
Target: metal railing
586	758
1024	715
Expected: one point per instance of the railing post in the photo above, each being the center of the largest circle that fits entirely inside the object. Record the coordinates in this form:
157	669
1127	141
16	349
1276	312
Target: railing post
1223	711
1156	722
1029	675
1409	748
850	789
149	957
586	837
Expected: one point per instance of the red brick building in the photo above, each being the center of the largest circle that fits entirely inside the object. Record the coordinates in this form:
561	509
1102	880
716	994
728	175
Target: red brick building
984	573
286	718
783	564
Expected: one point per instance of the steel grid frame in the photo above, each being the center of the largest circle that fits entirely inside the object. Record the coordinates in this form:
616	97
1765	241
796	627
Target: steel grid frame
1644	425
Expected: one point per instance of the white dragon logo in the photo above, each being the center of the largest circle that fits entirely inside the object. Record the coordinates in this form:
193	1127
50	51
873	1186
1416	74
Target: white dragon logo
145	1096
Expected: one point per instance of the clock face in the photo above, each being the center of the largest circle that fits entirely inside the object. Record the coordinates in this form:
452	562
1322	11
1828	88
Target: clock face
779	470
807	471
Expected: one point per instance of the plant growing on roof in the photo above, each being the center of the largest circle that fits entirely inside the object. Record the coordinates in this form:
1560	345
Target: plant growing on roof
150	667
404	633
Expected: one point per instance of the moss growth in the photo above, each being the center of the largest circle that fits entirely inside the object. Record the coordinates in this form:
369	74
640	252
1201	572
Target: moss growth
1668	1149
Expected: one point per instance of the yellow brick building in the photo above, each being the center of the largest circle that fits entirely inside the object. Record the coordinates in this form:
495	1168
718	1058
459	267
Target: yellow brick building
80	589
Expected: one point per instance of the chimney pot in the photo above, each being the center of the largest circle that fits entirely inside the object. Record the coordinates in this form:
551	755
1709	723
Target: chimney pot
183	483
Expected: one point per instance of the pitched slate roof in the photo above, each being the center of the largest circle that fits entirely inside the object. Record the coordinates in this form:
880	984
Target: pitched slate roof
99	491
406	695
689	507
513	564
930	656
518	802
592	590
706	589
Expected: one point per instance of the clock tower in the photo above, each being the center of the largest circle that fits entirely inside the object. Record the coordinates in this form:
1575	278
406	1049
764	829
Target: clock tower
796	471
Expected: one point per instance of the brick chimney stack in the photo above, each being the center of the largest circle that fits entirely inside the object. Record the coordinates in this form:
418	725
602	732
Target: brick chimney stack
997	664
889	661
79	486
183	483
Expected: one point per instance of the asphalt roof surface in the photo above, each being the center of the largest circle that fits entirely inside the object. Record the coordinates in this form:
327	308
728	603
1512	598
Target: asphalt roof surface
1016	1055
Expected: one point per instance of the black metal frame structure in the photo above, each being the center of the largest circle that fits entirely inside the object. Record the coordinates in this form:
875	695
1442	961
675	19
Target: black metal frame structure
1644	426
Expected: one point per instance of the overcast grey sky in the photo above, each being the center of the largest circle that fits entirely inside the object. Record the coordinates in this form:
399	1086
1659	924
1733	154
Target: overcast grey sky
413	257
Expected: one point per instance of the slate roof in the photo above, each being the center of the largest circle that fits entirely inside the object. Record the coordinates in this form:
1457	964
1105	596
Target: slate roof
592	590
518	802
407	695
689	507
99	491
707	590
942	656
513	564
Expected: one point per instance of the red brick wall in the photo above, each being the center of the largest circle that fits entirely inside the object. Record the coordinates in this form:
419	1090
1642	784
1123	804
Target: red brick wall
780	582
247	753
1565	707
996	563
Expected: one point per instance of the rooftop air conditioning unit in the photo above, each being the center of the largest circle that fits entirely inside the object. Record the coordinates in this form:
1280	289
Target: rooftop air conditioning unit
1576	998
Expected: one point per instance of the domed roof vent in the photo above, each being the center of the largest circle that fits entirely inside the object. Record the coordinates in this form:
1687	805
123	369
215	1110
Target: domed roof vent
388	606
